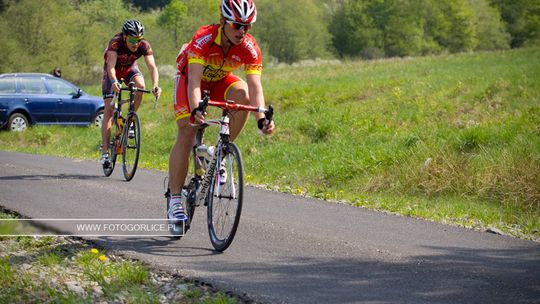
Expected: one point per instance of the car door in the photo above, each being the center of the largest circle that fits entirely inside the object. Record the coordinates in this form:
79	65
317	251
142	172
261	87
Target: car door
41	105
71	109
9	100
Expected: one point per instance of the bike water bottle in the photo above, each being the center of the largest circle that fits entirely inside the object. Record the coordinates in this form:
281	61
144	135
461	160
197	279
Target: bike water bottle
210	153
200	153
120	121
206	152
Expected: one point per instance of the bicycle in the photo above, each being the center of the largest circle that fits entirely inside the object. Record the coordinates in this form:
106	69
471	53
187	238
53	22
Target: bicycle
223	199
125	140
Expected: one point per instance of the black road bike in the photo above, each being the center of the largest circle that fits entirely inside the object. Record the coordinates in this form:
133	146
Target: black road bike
125	136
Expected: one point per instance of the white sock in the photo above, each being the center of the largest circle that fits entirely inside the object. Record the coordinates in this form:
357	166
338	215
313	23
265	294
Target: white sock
175	199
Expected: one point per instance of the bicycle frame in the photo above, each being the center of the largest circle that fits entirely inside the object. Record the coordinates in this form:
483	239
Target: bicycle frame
118	112
120	140
223	198
203	184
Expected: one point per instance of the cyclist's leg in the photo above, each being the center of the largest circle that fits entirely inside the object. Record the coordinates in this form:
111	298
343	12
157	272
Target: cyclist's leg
106	125
234	88
185	139
179	157
136	76
106	88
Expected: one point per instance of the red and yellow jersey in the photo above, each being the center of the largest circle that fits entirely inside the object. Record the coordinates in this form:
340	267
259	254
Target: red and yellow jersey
205	49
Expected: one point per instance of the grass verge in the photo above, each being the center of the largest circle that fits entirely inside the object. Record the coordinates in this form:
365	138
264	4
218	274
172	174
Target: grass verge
68	270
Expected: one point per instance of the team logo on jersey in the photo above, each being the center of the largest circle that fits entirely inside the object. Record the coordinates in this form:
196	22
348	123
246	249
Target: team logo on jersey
236	58
199	43
210	73
114	45
251	49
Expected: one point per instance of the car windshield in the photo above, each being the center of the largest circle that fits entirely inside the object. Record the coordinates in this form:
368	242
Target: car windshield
61	88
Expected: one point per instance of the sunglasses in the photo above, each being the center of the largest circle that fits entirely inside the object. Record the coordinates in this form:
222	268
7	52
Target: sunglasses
133	40
238	26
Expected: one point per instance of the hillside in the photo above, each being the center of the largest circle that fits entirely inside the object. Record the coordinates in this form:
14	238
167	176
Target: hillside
453	138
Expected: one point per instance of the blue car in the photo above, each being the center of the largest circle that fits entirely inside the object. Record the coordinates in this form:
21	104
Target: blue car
31	98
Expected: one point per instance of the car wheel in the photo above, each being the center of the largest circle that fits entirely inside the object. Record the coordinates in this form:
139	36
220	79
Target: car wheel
98	119
18	122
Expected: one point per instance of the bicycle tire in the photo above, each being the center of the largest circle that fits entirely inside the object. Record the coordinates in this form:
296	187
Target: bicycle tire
225	207
131	146
190	205
112	148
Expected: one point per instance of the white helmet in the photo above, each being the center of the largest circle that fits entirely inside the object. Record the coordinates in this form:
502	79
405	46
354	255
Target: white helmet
242	11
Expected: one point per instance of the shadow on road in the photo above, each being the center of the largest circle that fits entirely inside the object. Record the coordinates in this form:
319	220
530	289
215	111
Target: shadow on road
39	177
156	246
455	275
451	275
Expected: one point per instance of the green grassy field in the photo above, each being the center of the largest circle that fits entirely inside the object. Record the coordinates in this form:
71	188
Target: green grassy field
453	138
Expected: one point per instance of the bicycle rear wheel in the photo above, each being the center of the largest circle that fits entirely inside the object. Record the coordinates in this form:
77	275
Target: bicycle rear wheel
225	198
131	143
112	148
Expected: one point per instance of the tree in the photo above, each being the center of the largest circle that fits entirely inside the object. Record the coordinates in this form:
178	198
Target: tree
490	29
173	17
462	33
36	39
147	5
95	24
291	34
523	20
403	28
200	12
355	32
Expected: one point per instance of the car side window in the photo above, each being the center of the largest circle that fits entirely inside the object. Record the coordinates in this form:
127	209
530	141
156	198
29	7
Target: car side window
7	85
61	88
32	85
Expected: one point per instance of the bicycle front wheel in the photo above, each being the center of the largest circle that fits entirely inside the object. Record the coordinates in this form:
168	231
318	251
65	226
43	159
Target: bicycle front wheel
225	198
131	143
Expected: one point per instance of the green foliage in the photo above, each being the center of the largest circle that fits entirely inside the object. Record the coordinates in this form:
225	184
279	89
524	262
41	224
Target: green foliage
30	40
490	30
6	275
412	28
355	33
462	35
173	17
147	5
185	16
522	18
72	34
290	34
43	35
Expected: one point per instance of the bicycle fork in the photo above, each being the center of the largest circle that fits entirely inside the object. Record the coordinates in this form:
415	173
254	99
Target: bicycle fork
210	175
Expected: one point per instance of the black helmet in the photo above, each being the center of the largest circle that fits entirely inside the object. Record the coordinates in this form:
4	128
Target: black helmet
133	28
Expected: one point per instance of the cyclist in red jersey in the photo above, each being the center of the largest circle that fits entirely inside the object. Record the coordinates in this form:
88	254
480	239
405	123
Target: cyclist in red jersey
120	63
205	64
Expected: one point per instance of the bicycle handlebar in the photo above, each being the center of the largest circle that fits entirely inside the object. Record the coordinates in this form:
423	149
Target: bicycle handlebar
135	89
231	106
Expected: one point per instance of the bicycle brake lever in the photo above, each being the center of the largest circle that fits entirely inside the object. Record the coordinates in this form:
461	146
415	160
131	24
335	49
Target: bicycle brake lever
155	102
269	114
204	103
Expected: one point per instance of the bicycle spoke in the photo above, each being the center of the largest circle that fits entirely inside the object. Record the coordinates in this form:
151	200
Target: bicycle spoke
131	144
225	202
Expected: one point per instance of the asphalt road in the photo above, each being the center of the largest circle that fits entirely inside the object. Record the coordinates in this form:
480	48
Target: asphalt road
288	249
